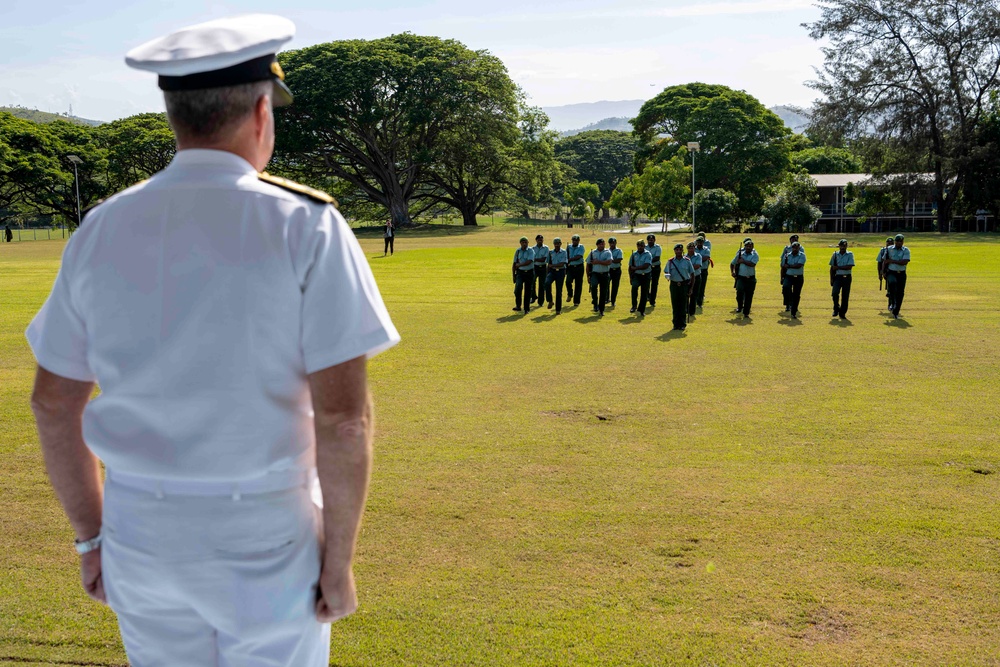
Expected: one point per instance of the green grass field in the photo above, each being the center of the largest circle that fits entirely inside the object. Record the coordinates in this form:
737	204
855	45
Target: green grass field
583	491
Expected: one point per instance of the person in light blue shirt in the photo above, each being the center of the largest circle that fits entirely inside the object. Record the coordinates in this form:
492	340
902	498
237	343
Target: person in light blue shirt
524	275
841	267
639	264
708	244
574	271
897	260
793	264
794	238
736	278
558	258
745	266
881	266
655	251
702	247
696	262
616	268
599	263
680	272
541	260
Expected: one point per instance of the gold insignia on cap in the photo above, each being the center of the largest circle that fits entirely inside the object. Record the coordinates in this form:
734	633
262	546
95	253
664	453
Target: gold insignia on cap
277	71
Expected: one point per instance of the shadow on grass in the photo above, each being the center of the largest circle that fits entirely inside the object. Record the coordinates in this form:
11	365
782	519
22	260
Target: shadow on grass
899	324
837	322
740	322
789	322
633	318
674	334
547	317
587	319
513	317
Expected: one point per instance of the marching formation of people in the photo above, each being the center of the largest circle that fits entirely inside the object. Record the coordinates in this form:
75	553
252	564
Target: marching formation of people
537	268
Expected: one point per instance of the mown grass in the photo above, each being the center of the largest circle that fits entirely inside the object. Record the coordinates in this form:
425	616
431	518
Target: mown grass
590	491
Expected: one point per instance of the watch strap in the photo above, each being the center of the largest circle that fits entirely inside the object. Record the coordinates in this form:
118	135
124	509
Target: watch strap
86	546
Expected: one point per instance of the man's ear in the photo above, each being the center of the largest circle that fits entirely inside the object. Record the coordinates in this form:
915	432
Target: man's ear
262	112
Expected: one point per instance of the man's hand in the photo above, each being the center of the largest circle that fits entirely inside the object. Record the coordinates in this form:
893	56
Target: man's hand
338	597
90	575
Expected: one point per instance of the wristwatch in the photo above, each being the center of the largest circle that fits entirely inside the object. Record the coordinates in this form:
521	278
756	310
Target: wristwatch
86	546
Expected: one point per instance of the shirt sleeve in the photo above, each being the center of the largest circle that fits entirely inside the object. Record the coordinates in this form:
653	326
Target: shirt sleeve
343	316
58	334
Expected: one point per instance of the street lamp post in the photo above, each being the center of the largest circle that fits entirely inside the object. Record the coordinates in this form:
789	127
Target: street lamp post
76	178
693	147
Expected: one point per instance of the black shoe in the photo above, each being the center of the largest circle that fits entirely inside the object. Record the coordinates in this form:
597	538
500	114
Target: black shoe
516	309
787	309
835	313
632	311
843	317
794	318
558	312
595	308
549	306
602	313
643	313
525	311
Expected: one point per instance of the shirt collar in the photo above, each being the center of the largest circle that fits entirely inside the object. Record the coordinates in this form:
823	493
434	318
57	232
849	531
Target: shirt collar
216	160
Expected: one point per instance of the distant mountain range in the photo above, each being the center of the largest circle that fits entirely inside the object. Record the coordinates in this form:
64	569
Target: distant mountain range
575	118
46	117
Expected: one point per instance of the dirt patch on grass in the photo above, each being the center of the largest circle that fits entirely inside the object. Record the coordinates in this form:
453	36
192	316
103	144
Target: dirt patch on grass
825	626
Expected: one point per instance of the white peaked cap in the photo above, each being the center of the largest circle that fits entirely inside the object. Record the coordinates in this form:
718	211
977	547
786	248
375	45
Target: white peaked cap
218	53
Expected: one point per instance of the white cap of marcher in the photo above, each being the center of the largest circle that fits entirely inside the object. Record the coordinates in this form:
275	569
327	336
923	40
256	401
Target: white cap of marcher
224	52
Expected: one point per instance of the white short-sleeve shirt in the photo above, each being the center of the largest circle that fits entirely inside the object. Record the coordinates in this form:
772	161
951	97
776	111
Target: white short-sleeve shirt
199	301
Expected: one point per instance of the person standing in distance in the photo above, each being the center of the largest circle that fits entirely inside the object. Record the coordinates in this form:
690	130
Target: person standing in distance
746	277
219	410
557	259
639	264
541	260
390	237
736	279
702	248
897	259
8	235
793	264
695	260
880	261
794	238
841	265
615	274
655	251
600	265
524	275
574	272
680	272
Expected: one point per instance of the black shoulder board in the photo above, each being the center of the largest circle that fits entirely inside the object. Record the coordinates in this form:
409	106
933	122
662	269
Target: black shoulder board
298	188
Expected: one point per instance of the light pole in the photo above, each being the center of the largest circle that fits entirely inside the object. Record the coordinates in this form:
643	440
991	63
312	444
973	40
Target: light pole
76	178
693	147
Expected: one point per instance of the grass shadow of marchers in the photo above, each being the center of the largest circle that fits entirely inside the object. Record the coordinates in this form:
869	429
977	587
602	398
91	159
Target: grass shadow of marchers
671	335
513	317
837	322
547	317
740	322
588	319
899	324
790	322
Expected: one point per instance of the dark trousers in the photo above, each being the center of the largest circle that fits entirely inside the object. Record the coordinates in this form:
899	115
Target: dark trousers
793	288
640	289
678	303
896	283
389	248
599	283
745	287
701	286
841	294
693	299
616	279
522	285
557	277
540	287
785	291
574	284
654	283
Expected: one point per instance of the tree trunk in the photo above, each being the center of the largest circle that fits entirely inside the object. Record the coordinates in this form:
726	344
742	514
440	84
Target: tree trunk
399	212
469	217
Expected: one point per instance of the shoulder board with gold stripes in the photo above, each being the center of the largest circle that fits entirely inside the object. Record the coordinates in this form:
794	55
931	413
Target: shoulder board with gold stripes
298	188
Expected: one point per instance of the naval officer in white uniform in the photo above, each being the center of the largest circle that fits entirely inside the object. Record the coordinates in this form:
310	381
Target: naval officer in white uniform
227	317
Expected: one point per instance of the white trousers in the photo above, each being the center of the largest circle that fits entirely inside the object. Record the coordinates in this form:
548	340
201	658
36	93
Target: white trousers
226	581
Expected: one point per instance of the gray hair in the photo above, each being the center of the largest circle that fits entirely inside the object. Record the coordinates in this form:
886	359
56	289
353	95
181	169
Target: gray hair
210	114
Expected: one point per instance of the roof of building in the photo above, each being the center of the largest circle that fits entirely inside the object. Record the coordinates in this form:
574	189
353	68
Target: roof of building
838	180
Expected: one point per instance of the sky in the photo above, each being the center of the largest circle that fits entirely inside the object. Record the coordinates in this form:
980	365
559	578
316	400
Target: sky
58	53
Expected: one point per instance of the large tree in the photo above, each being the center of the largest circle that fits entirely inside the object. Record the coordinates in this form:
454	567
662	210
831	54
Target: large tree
137	147
603	157
744	146
914	76
380	113
827	160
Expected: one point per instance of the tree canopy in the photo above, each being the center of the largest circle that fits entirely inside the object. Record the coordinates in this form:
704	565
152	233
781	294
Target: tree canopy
915	77
744	146
603	157
827	160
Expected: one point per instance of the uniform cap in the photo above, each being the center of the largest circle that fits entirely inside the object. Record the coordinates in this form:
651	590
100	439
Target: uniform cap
690	244
539	238
747	240
842	242
523	239
612	239
575	237
888	239
600	241
796	244
899	237
678	245
701	235
557	240
220	53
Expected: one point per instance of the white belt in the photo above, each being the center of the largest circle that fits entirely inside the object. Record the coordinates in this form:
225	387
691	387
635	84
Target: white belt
278	480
